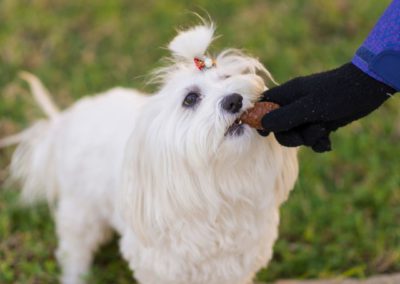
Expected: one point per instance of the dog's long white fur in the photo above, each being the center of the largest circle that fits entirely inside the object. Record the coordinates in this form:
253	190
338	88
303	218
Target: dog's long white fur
11	140
192	206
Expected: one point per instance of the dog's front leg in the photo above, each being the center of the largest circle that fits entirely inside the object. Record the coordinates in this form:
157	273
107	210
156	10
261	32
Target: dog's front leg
80	232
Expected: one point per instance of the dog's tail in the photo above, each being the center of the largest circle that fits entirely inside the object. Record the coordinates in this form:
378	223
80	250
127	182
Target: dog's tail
41	94
32	162
43	99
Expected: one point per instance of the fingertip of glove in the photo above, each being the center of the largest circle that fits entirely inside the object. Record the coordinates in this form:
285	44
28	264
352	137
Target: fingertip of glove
271	121
322	145
263	132
289	138
270	95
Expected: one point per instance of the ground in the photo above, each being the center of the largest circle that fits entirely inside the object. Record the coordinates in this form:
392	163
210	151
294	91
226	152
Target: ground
343	216
381	279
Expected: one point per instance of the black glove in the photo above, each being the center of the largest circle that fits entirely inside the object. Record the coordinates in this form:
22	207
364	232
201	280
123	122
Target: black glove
315	105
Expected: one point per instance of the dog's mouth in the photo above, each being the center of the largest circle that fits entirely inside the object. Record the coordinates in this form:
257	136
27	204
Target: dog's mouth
235	129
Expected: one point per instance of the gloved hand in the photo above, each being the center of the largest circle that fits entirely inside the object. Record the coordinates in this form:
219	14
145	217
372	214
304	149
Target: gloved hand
315	105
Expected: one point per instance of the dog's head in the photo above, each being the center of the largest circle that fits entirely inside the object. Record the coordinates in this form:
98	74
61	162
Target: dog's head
189	154
201	97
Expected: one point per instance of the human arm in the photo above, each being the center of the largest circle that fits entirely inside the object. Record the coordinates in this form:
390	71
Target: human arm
315	105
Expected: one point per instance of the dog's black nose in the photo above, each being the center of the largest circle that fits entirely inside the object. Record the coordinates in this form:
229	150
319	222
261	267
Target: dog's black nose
232	103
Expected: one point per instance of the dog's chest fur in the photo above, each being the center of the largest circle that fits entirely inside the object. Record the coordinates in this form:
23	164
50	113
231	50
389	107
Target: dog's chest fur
223	239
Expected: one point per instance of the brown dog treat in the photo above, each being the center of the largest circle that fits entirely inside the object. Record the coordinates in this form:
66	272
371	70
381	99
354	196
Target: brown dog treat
253	116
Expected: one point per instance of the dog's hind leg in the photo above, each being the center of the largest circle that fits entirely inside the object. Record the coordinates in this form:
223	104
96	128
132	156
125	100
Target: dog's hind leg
80	232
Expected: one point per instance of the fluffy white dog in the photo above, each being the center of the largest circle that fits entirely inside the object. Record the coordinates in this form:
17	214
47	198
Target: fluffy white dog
193	193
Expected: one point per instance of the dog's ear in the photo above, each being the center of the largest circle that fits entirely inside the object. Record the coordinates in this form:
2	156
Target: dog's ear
193	42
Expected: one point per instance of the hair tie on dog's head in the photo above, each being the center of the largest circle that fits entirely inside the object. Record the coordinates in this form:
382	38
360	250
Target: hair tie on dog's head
205	63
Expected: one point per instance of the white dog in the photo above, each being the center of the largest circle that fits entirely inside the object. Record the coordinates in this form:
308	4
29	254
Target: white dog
193	192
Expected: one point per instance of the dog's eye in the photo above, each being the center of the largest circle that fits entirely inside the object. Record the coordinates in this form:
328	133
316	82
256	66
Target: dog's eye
191	99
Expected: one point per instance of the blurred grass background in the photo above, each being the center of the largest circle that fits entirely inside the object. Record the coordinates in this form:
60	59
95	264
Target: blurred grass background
343	217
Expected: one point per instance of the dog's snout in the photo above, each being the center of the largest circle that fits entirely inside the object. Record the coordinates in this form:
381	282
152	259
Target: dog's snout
232	103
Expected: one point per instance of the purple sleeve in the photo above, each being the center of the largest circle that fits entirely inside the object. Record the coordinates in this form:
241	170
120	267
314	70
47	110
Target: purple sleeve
379	55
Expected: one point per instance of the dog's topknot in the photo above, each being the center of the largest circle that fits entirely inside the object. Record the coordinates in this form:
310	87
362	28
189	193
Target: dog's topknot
192	43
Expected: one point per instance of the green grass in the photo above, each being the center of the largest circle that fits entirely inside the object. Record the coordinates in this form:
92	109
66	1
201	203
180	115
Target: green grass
342	218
